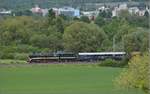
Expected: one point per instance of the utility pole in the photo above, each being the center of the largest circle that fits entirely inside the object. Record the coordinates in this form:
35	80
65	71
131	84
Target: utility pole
148	4
123	44
149	31
114	43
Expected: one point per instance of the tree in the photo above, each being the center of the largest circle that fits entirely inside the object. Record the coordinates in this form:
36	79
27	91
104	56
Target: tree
83	37
59	24
85	19
136	41
124	14
138	21
51	16
137	74
105	14
99	21
146	14
55	39
115	31
39	40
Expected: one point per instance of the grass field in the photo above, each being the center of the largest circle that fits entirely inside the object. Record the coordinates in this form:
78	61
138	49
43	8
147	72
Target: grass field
59	79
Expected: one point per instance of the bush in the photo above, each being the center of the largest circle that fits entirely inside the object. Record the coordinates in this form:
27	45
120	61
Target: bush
26	48
137	74
7	56
21	56
112	63
15	56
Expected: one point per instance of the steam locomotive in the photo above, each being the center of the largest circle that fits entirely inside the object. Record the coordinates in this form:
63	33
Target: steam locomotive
61	57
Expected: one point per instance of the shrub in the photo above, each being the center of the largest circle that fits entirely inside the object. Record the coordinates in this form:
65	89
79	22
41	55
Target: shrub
20	56
16	56
7	56
26	48
112	63
137	74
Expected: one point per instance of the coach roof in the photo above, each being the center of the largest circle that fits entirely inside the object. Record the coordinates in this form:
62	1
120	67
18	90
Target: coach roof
102	53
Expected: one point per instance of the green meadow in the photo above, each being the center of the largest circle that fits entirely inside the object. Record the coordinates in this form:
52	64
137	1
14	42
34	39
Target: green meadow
60	79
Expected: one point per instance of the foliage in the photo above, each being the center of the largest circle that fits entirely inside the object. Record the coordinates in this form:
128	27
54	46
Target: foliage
136	41
112	63
83	37
146	14
124	14
27	34
138	21
15	56
105	14
137	75
51	16
85	19
20	56
39	40
113	27
100	21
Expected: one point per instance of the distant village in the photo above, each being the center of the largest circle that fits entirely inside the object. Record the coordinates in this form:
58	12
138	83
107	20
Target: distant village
72	12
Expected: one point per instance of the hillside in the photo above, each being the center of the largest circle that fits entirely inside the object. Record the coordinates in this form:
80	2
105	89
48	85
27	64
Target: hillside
26	4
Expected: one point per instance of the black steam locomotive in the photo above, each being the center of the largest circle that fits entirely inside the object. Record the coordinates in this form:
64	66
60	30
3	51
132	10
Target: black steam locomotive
61	57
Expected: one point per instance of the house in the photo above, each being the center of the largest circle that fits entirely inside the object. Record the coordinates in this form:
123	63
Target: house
103	8
90	14
116	10
141	12
5	12
123	6
38	10
133	10
68	11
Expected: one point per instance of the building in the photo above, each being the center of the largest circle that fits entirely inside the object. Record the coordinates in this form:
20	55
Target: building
123	6
116	10
56	10
67	11
38	10
90	14
133	10
141	12
103	8
4	12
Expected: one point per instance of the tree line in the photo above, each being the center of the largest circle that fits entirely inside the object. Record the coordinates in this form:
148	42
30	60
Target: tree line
27	34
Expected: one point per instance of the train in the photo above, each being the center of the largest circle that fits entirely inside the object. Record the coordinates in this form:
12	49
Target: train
61	57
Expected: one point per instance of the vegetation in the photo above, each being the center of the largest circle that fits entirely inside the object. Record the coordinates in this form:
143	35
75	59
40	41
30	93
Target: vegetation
28	34
10	61
84	37
59	79
113	63
22	35
19	5
137	75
